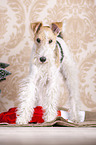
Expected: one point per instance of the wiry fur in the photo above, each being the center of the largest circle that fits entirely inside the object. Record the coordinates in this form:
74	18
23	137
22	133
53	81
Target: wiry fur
44	84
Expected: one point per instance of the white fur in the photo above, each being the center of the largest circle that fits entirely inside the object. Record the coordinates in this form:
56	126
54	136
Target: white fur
43	85
69	70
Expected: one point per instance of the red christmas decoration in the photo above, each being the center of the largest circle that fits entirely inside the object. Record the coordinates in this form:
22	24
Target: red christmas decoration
10	115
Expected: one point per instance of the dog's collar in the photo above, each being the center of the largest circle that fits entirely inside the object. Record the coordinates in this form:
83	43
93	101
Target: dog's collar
60	49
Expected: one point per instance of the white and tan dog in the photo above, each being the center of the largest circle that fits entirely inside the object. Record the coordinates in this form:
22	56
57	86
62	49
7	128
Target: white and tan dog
45	83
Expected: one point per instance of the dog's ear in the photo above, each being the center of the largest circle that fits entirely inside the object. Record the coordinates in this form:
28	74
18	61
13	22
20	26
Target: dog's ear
36	27
56	27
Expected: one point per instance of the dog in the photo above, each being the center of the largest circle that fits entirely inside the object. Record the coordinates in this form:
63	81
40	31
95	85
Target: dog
51	64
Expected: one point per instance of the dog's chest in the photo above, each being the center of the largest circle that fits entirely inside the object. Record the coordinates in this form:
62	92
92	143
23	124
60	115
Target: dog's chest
41	84
42	79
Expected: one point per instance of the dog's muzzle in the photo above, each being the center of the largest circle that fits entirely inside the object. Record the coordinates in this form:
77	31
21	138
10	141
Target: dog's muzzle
42	59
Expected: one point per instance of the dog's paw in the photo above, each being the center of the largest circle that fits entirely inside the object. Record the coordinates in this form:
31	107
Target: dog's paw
21	120
49	117
76	118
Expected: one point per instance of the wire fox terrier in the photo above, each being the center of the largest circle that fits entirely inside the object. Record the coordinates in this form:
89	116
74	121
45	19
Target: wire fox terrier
45	83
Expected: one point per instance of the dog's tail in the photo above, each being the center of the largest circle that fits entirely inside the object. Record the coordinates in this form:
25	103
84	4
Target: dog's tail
69	71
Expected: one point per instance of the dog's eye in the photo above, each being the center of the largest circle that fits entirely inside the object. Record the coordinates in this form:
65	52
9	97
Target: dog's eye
50	41
38	40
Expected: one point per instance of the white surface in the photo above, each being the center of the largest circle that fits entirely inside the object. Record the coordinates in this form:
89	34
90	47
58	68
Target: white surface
65	115
47	135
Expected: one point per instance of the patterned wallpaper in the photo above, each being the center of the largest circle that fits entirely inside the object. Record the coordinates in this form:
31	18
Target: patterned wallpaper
16	41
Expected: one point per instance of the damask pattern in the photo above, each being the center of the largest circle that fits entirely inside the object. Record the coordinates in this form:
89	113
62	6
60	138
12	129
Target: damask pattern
16	41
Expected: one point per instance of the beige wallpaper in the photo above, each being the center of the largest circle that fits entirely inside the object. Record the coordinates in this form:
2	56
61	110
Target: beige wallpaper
16	40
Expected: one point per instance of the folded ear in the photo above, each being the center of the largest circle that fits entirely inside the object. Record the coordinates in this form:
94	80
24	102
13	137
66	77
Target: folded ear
36	27
56	27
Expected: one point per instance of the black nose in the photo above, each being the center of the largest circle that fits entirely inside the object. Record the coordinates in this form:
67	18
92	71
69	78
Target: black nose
42	59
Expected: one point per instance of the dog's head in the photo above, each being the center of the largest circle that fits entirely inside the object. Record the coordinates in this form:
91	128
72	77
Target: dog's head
45	41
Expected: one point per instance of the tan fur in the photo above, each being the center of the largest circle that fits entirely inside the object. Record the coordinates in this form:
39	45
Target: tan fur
56	25
35	26
57	57
40	33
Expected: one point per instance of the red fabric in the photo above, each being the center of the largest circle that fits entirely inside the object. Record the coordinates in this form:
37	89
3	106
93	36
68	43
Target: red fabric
10	115
58	113
37	115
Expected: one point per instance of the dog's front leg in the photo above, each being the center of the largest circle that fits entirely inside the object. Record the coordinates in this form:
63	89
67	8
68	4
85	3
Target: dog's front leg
27	100
51	101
